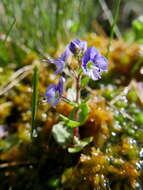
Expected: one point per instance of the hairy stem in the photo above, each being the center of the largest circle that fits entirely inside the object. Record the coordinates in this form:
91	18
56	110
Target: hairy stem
78	89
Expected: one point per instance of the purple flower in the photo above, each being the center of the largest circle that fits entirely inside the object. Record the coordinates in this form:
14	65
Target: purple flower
93	63
60	62
77	46
54	93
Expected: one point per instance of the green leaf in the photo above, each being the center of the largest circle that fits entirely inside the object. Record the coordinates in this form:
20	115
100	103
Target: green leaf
83	114
69	122
86	141
81	144
84	81
62	134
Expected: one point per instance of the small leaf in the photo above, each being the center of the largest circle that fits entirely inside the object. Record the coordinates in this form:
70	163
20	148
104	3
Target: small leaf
69	122
62	134
86	140
76	140
84	81
75	149
83	114
81	144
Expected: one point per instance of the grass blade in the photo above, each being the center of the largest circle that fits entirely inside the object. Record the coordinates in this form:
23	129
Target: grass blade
8	32
137	65
35	79
117	3
109	16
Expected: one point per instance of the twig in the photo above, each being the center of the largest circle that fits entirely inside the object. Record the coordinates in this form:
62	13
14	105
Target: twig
111	104
10	165
125	114
13	83
123	93
20	71
15	75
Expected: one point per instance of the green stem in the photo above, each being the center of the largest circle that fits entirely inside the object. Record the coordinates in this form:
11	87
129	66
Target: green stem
34	99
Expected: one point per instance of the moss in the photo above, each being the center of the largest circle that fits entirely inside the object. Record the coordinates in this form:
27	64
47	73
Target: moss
116	125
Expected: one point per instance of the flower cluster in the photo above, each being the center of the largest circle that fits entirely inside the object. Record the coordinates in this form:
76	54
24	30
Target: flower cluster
90	60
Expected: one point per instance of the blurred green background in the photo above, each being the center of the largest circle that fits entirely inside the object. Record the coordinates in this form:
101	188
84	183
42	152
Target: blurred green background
42	24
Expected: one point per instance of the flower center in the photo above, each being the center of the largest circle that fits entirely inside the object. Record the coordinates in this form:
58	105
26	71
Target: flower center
90	65
57	94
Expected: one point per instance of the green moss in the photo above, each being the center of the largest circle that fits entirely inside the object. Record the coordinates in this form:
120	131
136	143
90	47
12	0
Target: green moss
53	182
132	96
139	135
121	104
139	118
